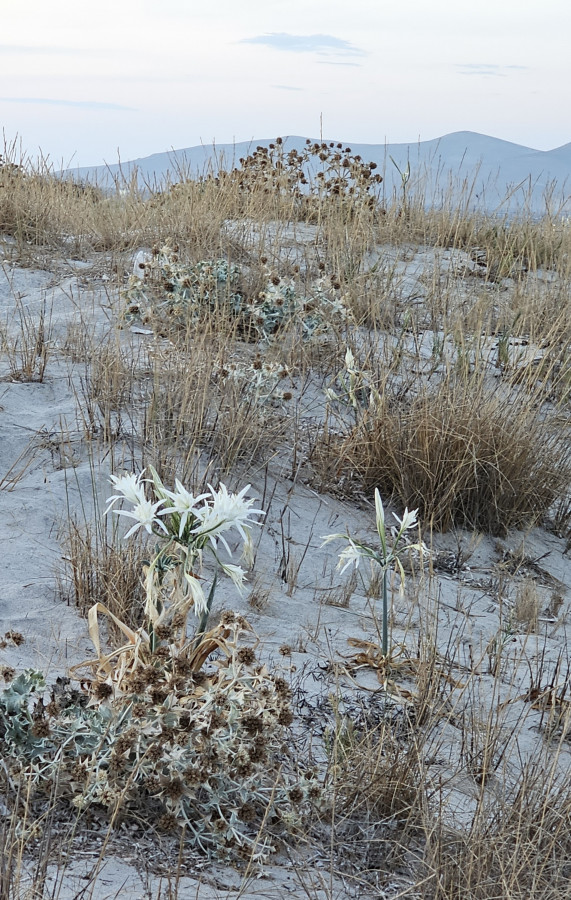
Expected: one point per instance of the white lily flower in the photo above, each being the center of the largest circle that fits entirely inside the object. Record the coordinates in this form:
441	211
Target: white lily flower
248	550
380	512
145	513
387	557
184	504
200	603
236	573
349	556
408	521
225	512
327	538
129	487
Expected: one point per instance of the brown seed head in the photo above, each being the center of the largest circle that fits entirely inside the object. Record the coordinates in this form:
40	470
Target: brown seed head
296	794
151	675
281	686
182	666
41	728
163	632
125	741
258	751
102	690
168	822
152	784
77	772
158	695
246	656
137	683
174	789
252	724
154	753
167	735
285	717
15	637
247	813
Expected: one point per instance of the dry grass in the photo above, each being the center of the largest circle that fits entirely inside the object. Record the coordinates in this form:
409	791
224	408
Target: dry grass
101	570
517	845
464	455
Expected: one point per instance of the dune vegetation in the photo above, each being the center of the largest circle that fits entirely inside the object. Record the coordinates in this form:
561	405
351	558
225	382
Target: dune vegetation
372	700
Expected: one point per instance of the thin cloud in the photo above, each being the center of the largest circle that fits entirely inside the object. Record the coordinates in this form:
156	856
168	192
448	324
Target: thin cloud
490	69
328	62
322	44
82	104
29	50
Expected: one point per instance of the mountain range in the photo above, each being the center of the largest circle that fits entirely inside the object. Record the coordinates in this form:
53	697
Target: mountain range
476	169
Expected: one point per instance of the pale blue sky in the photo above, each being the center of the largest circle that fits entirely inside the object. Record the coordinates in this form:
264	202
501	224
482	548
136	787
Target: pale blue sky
81	81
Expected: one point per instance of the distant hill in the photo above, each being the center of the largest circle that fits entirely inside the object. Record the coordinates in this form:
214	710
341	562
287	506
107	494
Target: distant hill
484	169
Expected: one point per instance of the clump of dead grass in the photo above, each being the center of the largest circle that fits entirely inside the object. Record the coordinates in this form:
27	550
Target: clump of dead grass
99	570
463	454
516	847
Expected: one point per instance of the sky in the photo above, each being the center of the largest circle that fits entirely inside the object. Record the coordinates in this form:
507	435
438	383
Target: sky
83	83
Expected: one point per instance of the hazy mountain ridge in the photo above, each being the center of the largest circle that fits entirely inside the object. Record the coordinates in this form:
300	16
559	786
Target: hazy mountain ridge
490	167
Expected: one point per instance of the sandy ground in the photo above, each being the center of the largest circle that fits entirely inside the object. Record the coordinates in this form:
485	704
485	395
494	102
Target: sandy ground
48	471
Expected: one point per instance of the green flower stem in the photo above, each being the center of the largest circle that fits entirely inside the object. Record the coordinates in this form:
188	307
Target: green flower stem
201	630
385	635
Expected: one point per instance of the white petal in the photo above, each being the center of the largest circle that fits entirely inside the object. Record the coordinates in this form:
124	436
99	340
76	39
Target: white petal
200	602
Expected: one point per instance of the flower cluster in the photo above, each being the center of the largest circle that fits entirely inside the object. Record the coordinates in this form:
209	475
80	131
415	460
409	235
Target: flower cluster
255	382
279	304
168	295
321	175
188	524
177	746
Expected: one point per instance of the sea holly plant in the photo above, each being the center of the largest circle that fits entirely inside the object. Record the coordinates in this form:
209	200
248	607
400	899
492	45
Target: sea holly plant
176	729
175	747
387	556
169	295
